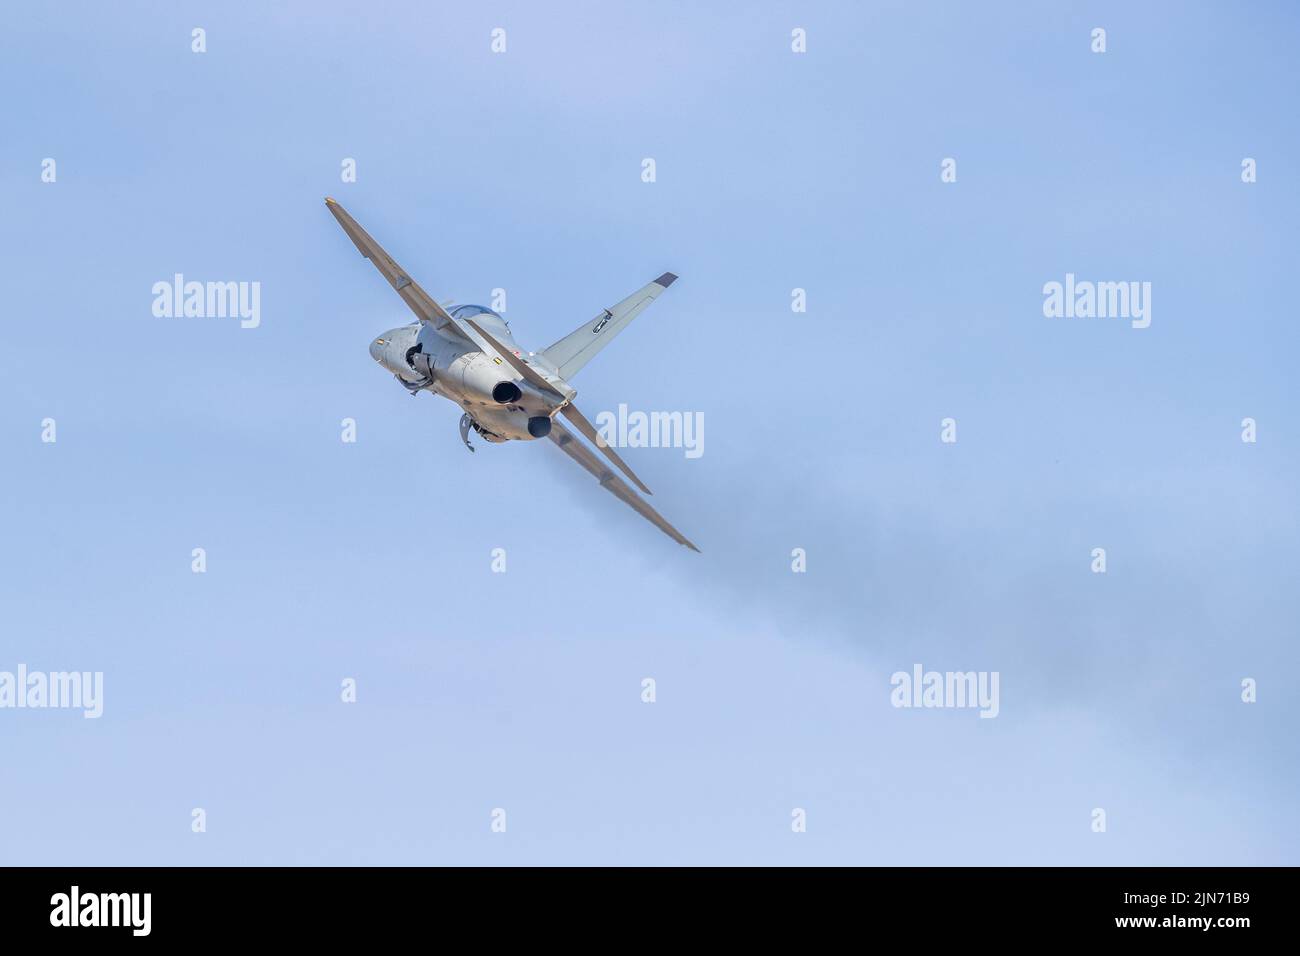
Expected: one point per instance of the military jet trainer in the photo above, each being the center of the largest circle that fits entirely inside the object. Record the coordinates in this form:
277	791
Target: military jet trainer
468	355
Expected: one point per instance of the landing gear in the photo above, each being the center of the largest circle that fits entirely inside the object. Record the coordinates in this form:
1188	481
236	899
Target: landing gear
465	423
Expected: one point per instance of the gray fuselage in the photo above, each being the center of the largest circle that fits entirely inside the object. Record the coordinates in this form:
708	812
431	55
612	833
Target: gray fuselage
499	404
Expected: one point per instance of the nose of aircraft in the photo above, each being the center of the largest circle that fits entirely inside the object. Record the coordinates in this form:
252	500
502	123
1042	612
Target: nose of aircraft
377	349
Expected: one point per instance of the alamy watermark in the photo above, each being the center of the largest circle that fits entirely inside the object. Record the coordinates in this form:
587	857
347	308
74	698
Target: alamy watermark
626	429
922	688
75	690
129	910
208	300
1098	300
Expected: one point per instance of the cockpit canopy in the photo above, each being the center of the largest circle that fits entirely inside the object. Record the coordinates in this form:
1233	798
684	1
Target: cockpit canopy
469	311
483	316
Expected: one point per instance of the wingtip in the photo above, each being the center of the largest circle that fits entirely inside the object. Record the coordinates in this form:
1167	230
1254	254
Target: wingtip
331	201
666	279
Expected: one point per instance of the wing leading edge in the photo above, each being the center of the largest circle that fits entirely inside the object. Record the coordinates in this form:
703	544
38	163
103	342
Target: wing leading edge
615	485
419	301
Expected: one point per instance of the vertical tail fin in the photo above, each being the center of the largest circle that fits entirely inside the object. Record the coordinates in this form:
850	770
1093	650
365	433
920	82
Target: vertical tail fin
582	344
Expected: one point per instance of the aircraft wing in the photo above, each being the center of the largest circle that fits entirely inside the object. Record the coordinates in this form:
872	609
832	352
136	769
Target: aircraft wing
419	301
585	457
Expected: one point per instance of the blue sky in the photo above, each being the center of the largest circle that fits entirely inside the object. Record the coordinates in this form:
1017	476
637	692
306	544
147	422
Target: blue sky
522	690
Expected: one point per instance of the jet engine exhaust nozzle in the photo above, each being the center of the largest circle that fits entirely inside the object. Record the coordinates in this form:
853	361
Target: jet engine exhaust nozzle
507	393
539	426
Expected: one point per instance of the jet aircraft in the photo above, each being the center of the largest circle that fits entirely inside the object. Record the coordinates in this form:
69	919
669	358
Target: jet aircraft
467	354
